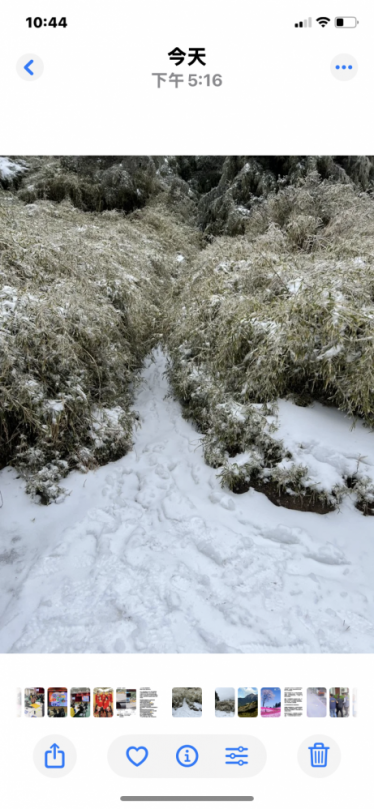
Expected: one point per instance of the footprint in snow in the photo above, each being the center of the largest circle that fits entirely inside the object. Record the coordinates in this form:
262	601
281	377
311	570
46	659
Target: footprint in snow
328	555
162	472
284	535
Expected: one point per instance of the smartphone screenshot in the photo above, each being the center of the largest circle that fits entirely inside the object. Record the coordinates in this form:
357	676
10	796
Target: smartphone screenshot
186	404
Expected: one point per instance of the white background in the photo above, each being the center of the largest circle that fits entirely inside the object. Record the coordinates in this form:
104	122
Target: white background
97	95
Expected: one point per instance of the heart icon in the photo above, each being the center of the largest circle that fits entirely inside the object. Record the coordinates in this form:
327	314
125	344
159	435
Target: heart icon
137	755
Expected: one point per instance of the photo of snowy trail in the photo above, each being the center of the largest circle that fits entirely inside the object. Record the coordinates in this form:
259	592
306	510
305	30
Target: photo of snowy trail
149	554
316	705
187	404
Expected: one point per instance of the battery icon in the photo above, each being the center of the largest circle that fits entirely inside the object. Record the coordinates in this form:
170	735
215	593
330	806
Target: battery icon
346	22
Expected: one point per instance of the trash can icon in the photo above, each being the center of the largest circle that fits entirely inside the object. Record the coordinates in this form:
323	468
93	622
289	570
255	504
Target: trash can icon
318	755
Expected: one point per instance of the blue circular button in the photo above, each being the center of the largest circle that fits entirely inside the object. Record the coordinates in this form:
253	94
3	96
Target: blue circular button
187	755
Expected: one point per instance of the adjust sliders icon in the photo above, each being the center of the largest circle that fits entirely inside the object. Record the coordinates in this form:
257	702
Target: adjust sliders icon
237	755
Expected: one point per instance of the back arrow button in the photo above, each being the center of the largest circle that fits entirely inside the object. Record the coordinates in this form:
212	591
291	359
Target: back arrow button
30	67
27	67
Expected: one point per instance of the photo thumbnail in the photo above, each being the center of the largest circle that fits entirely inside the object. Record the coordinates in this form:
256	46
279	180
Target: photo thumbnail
247	702
80	702
57	702
34	702
187	703
103	703
18	703
224	700
148	702
339	702
271	702
293	701
126	701
316	702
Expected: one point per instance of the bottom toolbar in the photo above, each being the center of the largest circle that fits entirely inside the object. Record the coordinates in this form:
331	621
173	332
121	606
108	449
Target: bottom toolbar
196	756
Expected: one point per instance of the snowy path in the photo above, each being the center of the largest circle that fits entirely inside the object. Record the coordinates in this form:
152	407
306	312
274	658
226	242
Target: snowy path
316	705
149	554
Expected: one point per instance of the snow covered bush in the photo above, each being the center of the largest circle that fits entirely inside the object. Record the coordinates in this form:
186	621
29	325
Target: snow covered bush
364	492
11	172
256	274
80	298
244	181
284	310
92	183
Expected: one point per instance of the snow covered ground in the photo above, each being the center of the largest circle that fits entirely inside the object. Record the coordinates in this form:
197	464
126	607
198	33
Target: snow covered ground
316	705
149	554
321	439
225	714
186	712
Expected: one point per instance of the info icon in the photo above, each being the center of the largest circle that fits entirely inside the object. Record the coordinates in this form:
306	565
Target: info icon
344	67
187	755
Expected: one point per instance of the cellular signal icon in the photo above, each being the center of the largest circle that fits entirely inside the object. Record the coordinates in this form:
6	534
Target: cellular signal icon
304	24
322	21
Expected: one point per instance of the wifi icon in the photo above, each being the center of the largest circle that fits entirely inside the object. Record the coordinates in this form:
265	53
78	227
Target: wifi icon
323	21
